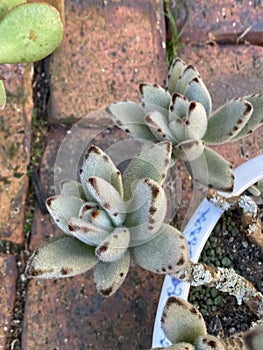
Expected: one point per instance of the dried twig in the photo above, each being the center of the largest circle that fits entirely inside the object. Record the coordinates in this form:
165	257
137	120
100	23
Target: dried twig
227	281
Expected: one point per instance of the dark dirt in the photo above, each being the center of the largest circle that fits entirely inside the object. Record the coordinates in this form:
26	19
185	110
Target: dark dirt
229	247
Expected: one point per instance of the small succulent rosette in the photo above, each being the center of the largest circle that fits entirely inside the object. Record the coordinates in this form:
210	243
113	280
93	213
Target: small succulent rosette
185	327
182	114
110	220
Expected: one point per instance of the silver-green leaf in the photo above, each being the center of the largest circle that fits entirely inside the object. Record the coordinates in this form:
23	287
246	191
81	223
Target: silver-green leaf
158	125
87	232
197	91
62	208
148	165
108	198
98	163
166	253
109	277
114	245
129	116
189	151
182	322
176	69
146	211
227	121
257	115
212	170
63	256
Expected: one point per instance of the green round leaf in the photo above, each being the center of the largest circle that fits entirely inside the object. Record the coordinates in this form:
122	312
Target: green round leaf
2	95
7	5
29	32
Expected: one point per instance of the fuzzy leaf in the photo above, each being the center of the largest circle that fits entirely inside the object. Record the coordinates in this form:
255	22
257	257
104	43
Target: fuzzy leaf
114	246
2	95
227	121
197	120
185	78
92	213
176	69
146	211
63	256
182	322
178	129
108	198
167	252
87	209
257	115
197	91
29	32
216	172
189	151
193	126
154	97
157	123
178	107
72	188
108	277
148	165
63	208
98	163
253	339
209	342
87	232
129	116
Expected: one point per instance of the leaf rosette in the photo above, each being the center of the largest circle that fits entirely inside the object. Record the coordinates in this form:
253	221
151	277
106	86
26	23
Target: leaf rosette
185	327
182	114
110	220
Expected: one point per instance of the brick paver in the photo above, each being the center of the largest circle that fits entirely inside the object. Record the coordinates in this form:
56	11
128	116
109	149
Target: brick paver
107	51
109	48
225	21
8	275
15	128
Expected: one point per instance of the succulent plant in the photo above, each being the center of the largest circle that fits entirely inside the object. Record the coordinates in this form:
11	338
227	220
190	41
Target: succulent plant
182	114
28	33
185	327
111	219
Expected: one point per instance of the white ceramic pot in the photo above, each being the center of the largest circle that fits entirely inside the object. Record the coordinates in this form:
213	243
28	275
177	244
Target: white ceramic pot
197	232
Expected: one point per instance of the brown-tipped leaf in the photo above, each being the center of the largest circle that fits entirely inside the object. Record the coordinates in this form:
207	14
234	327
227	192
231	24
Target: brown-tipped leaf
182	322
148	165
108	277
176	69
129	116
146	211
98	163
62	208
167	252
63	256
114	246
226	122
212	170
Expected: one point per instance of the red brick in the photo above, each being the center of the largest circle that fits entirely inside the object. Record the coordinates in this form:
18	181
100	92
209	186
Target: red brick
69	314
224	21
8	276
107	51
15	129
